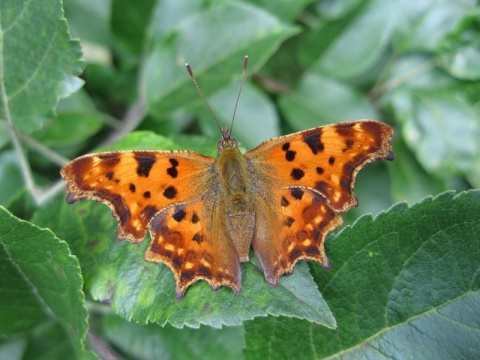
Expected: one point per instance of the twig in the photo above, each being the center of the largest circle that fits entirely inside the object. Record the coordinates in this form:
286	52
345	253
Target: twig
42	149
101	348
23	162
129	122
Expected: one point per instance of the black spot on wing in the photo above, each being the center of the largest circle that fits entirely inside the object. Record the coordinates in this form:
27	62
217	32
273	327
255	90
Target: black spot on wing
289	221
109	159
198	238
195	218
289	154
297	174
312	139
170	192
297	193
179	215
145	163
172	171
132	188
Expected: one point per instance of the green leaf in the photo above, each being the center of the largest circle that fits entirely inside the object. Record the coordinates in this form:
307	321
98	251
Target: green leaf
40	283
166	82
38	61
256	119
89	20
347	47
284	10
129	23
154	342
438	121
421	25
303	108
405	285
11	181
142	291
77	120
459	52
410	182
442	146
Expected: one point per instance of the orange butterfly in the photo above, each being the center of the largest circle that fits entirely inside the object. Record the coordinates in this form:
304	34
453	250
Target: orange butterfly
203	213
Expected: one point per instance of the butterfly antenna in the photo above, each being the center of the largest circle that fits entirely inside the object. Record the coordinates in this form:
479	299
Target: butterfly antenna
245	62
190	71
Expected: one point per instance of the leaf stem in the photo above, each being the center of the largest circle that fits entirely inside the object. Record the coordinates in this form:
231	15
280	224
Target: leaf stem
129	122
42	149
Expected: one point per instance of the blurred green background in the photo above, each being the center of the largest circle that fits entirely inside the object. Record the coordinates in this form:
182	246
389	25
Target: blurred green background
412	64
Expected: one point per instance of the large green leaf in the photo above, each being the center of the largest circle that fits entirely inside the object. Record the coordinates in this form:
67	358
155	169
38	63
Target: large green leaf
349	46
320	100
214	59
410	182
116	272
459	52
256	119
438	121
405	285
421	25
38	61
40	285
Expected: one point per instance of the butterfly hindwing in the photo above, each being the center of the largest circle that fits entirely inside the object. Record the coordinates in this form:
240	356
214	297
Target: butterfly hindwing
292	228
193	243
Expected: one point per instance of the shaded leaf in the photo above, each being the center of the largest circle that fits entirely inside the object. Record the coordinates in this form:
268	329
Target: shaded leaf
129	23
347	47
256	119
421	303
410	182
40	283
459	52
89	20
39	61
11	181
443	132
421	25
166	81
320	100
154	342
284	10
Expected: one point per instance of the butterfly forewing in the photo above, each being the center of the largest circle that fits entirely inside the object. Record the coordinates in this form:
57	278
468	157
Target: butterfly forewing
325	159
136	184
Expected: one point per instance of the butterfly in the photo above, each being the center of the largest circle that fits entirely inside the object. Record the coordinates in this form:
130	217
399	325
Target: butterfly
204	214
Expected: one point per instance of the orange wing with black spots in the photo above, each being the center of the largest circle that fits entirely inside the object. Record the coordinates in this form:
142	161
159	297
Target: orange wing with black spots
325	159
310	175
192	242
137	184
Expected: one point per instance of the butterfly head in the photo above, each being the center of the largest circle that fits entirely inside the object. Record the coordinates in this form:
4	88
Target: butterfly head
227	142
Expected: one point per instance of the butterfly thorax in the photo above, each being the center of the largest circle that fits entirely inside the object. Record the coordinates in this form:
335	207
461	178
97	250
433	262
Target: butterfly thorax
233	179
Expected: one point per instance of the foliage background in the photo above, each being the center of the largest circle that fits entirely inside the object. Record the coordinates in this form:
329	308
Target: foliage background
403	284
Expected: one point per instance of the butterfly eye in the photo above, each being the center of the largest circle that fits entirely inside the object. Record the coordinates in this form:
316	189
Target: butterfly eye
220	145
